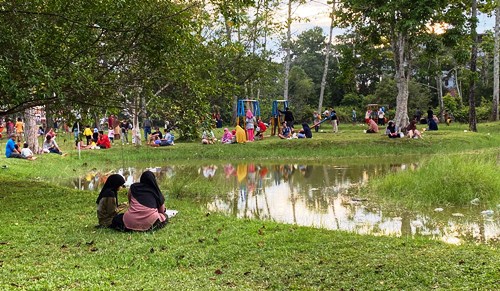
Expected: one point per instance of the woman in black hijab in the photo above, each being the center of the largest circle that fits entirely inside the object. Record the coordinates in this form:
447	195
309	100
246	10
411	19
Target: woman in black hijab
146	206
107	201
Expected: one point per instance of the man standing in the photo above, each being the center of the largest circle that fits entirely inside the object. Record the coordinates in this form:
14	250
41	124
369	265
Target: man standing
288	117
147	128
334	120
11	150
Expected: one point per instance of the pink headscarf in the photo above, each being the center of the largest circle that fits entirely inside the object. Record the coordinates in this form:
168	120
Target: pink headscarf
249	114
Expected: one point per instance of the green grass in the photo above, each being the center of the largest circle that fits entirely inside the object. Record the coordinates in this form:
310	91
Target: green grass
48	240
444	180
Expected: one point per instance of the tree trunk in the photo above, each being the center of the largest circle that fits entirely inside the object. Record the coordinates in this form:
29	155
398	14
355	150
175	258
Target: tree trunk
439	85
473	69
327	57
402	78
31	131
287	49
496	64
136	129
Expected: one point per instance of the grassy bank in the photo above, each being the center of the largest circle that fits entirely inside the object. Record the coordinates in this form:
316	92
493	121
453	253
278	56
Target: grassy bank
454	179
48	239
351	143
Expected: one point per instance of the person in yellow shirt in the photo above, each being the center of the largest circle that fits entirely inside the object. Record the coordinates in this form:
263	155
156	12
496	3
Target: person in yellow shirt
19	129
88	134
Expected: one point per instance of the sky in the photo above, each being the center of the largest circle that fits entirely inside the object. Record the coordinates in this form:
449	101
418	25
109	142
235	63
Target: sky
317	11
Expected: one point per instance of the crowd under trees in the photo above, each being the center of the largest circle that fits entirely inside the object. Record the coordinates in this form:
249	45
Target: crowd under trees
182	60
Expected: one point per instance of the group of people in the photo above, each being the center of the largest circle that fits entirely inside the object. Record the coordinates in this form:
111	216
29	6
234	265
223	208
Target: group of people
144	211
254	129
157	139
288	132
331	115
392	130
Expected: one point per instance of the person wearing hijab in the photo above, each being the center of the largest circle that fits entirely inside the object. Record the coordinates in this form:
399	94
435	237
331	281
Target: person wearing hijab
146	206
250	125
392	131
227	138
240	135
107	201
305	132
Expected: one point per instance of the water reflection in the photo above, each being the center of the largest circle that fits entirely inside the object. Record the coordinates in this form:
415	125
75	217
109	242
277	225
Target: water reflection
318	196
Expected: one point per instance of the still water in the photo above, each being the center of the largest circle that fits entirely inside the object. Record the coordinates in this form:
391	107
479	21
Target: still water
319	196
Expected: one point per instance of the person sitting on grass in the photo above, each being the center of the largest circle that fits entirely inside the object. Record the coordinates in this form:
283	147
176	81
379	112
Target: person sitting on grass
168	137
12	149
412	130
168	140
305	132
391	130
208	137
286	132
372	126
227	138
432	124
50	146
240	134
156	135
103	141
27	153
146	209
107	201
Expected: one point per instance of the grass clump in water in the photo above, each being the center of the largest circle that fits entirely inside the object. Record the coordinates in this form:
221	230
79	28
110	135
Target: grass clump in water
444	180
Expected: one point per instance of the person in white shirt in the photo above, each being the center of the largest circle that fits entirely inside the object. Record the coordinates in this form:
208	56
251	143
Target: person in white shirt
27	153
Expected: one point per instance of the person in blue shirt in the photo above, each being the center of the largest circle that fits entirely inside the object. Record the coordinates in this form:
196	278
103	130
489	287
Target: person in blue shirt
11	150
286	132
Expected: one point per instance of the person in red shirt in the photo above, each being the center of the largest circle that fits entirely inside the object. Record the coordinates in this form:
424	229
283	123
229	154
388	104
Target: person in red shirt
103	141
261	128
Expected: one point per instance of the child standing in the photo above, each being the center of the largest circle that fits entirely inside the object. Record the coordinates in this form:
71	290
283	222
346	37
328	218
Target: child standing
111	135
250	125
19	129
88	134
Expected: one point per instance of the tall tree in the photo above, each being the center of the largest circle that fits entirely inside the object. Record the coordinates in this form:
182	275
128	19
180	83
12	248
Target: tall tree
288	56
327	58
496	65
400	22
473	60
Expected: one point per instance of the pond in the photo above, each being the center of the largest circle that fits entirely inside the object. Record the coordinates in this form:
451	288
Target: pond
319	195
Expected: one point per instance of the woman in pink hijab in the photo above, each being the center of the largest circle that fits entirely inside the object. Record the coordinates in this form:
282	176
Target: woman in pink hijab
250	125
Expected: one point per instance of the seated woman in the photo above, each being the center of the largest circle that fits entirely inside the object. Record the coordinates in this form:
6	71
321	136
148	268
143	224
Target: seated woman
372	126
146	206
391	131
286	132
241	136
432	125
50	145
208	137
305	132
107	201
412	130
227	138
